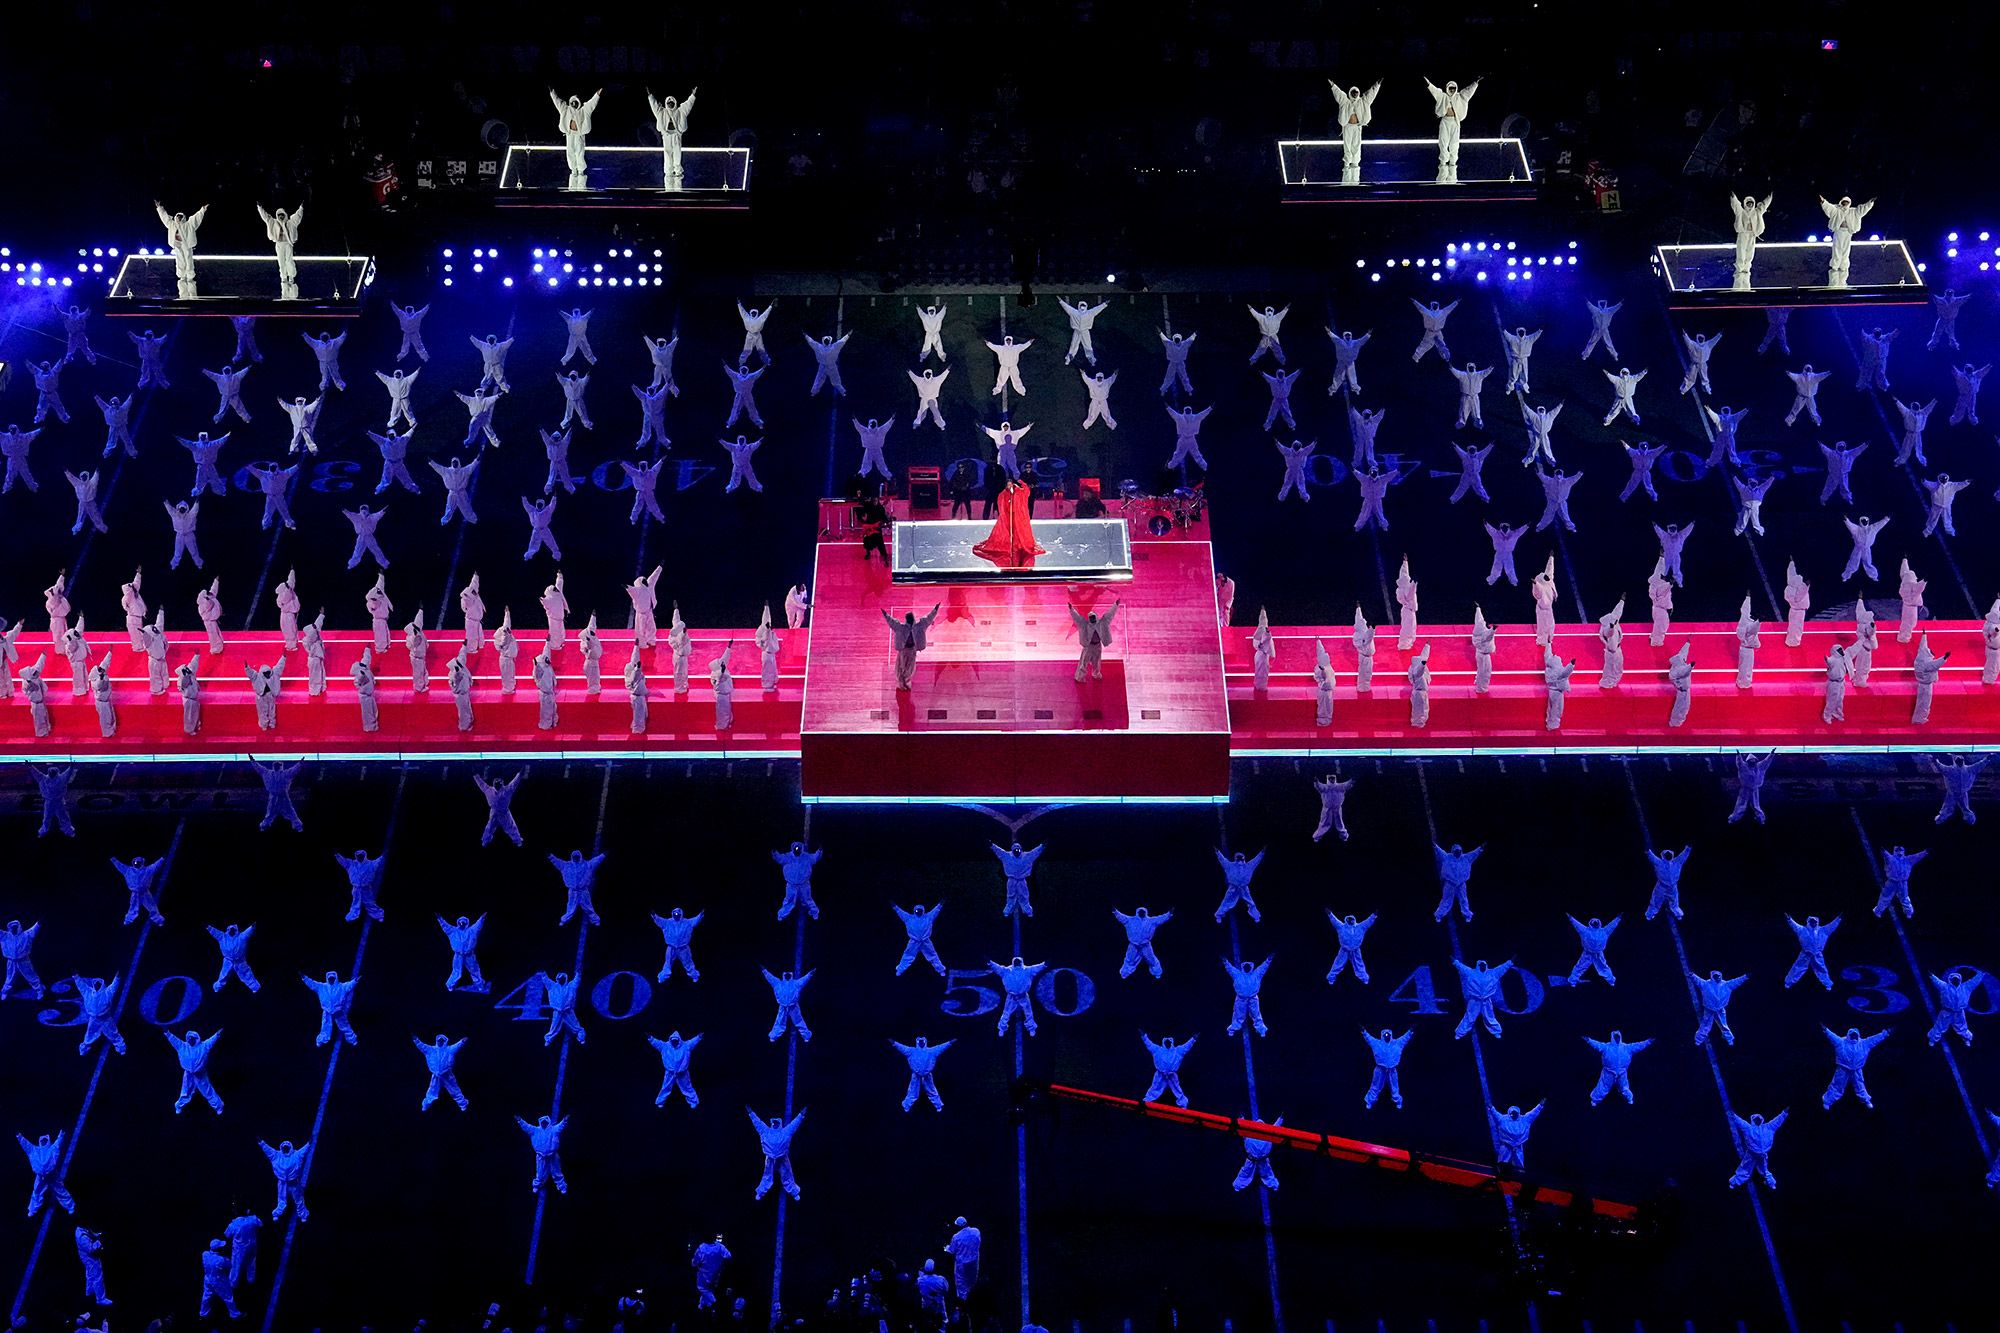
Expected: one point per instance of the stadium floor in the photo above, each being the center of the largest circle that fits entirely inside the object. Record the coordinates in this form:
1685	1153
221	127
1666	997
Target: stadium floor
1089	1215
1123	1220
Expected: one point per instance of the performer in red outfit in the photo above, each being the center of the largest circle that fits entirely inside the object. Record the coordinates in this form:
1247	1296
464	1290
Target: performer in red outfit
1012	542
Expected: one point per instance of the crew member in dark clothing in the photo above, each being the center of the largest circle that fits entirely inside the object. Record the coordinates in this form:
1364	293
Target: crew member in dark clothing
962	485
873	517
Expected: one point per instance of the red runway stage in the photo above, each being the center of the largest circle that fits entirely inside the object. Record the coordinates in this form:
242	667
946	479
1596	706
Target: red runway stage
1781	709
995	712
415	725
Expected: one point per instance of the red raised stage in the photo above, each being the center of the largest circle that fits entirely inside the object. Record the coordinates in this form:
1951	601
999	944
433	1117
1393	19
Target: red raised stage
995	710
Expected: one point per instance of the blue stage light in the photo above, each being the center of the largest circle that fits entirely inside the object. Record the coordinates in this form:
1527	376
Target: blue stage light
1481	275
1510	261
1436	276
597	268
447	282
1361	263
538	268
478	253
554	281
1451	247
35	268
1951	253
1572	261
1482	245
506	282
1512	274
538	252
478	268
1923	267
1811	239
66	282
628	255
1451	263
656	254
1951	236
628	281
1985	236
569	268
1983	266
97	250
447	268
1372	277
1572	245
1420	263
1510	245
1527	273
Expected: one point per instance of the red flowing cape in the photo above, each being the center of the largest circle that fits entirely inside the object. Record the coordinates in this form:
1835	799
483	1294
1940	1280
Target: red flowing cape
1012	541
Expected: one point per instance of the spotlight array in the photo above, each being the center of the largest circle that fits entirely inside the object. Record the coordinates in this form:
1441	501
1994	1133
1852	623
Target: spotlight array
1479	260
555	266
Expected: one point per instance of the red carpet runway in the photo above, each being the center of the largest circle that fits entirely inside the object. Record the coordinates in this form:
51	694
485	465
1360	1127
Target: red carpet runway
1781	709
995	712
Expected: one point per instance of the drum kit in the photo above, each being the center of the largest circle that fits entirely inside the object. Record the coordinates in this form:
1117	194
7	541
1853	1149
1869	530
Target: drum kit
1161	514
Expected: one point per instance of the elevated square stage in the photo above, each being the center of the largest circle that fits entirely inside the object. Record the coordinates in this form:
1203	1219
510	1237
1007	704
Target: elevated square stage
1076	548
624	176
329	286
1402	171
995	712
1788	273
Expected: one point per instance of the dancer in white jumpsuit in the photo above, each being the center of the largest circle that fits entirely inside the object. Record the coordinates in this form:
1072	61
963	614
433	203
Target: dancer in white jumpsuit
573	123
670	119
1601	315
1433	316
1269	321
1699	349
1081	317
1614	1057
1805	395
929	385
182	236
1749	213
281	229
1357	110
1843	220
932	319
1520	346
1450	103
